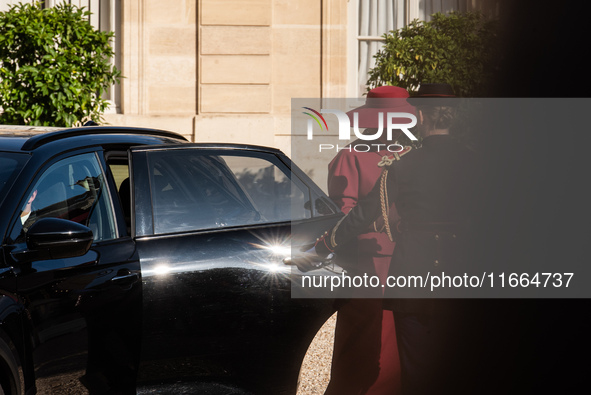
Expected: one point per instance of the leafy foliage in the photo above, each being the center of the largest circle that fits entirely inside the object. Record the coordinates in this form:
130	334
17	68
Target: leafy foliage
459	49
54	66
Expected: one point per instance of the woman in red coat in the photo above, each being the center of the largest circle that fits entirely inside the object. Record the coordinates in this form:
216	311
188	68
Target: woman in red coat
365	357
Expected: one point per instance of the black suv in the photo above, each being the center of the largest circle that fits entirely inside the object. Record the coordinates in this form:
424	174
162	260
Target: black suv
134	261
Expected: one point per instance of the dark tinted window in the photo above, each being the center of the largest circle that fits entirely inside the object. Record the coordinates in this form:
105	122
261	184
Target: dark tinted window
192	190
10	166
276	196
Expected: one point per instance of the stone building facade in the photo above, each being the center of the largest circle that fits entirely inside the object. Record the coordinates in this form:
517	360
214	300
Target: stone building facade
226	70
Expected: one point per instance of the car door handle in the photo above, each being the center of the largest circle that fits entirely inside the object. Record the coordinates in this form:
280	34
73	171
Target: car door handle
126	278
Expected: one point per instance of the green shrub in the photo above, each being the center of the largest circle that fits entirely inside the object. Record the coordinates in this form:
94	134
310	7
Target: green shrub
459	49
54	66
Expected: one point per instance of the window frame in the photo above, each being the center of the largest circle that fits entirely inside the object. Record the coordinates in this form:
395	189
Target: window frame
413	9
117	155
97	19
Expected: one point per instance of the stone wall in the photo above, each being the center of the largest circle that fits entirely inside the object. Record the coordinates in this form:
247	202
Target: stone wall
226	70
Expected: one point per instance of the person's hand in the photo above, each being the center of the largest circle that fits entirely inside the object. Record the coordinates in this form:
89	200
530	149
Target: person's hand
321	248
309	260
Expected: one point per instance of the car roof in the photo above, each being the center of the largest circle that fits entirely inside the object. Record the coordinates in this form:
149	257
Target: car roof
29	138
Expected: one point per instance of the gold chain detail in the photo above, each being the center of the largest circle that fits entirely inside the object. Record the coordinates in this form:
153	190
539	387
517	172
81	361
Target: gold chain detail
384	202
333	233
386	161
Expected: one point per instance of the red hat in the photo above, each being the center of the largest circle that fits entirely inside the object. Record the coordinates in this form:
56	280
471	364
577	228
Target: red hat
383	99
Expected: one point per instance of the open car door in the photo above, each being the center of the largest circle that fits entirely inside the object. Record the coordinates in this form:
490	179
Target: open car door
213	225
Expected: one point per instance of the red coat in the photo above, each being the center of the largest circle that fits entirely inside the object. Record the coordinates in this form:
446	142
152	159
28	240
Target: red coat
365	357
351	177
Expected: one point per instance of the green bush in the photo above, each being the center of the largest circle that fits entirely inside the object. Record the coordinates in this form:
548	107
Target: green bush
459	49
54	66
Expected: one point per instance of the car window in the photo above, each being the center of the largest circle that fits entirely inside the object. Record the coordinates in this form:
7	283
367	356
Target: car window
272	192
73	189
193	190
10	166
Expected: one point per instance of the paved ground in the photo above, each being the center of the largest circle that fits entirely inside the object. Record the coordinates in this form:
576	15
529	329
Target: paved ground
316	367
313	380
69	385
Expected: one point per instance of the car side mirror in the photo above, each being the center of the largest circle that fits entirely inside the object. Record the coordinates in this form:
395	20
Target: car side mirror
55	238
